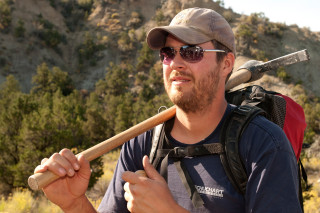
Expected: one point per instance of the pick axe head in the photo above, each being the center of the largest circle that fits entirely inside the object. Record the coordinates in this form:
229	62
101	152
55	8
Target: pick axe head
253	70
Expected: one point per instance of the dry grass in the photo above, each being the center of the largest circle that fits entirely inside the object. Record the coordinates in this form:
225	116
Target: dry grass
96	193
312	197
22	201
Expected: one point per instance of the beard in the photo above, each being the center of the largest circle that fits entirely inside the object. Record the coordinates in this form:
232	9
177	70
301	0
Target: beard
198	97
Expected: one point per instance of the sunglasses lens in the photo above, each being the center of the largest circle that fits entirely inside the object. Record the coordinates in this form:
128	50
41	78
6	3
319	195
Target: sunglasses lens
191	54
167	54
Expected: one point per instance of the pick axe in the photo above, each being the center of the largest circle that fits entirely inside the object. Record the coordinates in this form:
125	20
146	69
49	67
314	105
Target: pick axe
248	72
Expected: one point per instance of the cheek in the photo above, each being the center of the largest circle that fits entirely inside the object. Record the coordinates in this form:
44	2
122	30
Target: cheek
166	73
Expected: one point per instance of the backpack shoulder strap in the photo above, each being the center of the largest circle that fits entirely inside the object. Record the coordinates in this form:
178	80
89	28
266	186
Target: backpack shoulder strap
231	133
157	138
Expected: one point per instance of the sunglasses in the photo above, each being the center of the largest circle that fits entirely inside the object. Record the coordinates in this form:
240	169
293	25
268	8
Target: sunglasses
189	53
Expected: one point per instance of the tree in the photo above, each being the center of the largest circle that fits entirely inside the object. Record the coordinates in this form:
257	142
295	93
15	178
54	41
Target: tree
124	114
5	16
11	85
55	125
95	126
50	81
155	79
245	34
145	109
19	30
125	43
116	81
145	58
17	106
34	126
88	50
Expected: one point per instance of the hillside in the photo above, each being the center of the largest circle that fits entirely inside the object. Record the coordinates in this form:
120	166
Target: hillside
83	37
94	76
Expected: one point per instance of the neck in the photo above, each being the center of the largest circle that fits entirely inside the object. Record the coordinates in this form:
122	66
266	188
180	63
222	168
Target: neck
191	128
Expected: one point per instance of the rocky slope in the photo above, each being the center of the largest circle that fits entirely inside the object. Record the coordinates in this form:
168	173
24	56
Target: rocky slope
104	20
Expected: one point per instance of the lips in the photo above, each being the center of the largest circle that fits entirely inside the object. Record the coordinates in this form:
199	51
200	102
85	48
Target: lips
179	79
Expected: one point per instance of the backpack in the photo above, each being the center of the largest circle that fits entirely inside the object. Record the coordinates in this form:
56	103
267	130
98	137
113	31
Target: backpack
250	101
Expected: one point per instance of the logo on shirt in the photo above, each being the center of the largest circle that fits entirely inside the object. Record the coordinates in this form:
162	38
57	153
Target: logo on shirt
209	191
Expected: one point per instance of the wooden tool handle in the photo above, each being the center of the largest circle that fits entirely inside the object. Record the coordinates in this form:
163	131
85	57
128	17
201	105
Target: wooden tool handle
237	78
39	180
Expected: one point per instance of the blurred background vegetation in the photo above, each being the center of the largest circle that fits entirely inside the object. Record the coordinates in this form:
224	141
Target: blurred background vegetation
77	72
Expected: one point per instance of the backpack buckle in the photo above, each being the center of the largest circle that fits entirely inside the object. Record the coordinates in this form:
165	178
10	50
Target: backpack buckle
180	152
244	108
188	151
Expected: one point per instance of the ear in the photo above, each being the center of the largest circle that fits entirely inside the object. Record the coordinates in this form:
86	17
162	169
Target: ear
227	64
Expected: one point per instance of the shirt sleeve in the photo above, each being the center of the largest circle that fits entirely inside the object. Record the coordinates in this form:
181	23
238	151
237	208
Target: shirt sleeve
130	159
271	167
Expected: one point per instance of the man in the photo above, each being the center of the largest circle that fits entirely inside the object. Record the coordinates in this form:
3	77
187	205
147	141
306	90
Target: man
197	50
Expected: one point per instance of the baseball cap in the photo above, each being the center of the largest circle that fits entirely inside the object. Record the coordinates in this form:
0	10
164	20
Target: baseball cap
194	26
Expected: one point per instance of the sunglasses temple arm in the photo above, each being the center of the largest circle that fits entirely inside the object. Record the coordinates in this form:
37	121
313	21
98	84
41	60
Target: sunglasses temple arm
219	51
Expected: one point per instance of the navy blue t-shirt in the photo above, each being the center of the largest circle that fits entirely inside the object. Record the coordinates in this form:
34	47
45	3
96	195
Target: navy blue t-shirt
268	157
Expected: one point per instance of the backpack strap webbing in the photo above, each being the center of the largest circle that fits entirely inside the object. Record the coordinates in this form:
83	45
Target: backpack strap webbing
230	135
157	137
302	174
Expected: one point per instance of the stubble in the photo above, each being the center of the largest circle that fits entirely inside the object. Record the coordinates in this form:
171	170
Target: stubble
201	95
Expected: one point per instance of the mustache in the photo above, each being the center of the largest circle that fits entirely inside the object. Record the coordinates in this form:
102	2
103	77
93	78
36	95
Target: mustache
181	74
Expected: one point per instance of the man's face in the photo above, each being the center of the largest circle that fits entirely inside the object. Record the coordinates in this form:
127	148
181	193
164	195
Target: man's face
191	86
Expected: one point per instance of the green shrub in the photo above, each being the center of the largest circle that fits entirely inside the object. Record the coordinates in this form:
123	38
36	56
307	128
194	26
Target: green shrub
145	58
135	20
19	30
160	18
85	4
228	15
245	36
124	42
275	29
311	107
5	16
259	55
75	12
283	75
48	34
244	31
3	62
88	50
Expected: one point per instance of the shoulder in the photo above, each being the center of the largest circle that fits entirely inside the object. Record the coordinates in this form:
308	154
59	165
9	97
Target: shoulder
262	128
263	137
134	150
141	142
259	129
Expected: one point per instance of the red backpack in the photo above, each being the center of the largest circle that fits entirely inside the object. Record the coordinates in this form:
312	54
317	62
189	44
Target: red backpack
279	109
294	124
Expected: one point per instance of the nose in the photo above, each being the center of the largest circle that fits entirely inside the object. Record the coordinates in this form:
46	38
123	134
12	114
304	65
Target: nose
177	63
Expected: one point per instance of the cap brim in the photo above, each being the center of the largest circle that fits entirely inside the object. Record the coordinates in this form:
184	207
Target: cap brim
156	37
